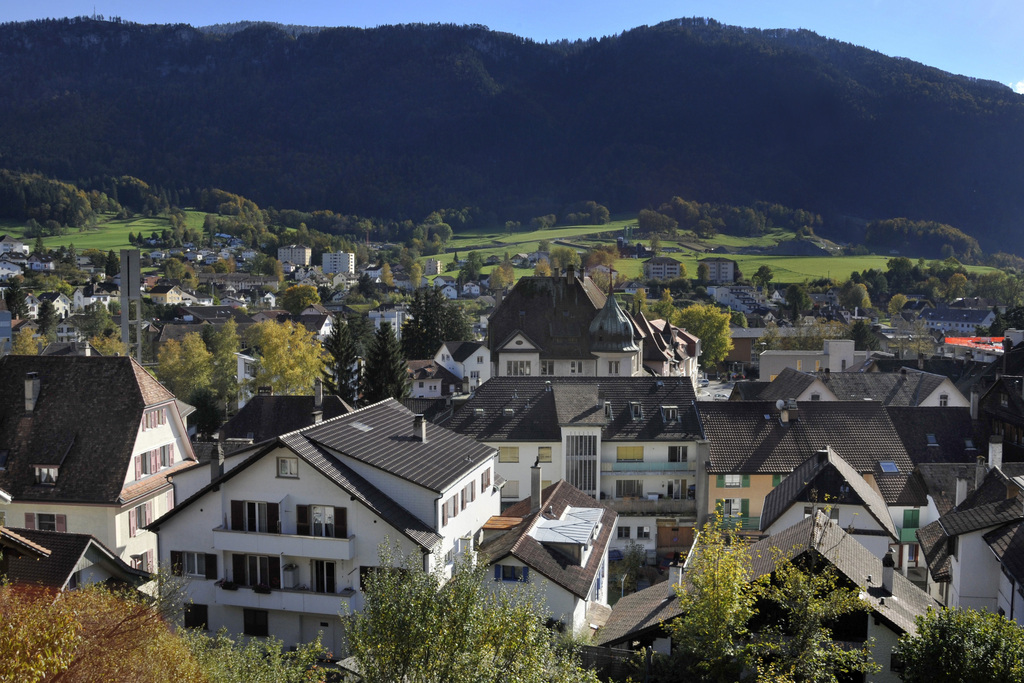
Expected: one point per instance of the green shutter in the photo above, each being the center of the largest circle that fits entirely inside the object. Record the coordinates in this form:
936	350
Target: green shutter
745	507
776	479
746	481
911	519
721	481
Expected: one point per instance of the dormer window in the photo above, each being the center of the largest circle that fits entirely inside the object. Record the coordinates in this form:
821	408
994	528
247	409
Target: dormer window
670	413
608	409
636	411
46	475
943	400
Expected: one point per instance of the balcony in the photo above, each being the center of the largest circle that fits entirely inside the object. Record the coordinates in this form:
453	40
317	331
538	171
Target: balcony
745	523
255	543
669	507
291	600
635	466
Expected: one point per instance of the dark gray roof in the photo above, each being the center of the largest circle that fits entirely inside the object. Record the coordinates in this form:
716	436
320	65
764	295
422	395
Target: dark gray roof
537	413
1007	542
382	436
264	417
644	610
933	434
461	350
852	560
957	315
552	564
747	391
743	440
86	421
826	478
907	388
66	549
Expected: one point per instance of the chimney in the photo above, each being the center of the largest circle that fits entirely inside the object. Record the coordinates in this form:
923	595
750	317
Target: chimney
31	391
535	493
920	361
961	490
974	404
995	451
217	457
793	410
822	456
419	428
569	273
318	401
979	472
888	569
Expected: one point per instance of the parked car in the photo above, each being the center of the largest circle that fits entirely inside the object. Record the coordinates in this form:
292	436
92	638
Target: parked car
721	397
704	382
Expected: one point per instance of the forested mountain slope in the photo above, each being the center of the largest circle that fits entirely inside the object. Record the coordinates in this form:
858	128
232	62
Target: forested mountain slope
398	121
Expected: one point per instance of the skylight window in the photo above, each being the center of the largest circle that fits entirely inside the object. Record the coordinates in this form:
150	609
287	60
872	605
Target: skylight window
362	426
932	441
889	467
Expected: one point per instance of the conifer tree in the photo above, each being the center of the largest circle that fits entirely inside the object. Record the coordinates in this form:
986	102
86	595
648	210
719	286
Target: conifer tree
341	374
385	374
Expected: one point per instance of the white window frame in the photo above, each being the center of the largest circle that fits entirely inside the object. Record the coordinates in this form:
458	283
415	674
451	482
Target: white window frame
323	528
193	563
733	481
288	467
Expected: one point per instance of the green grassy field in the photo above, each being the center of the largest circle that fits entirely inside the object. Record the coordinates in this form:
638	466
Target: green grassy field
105	235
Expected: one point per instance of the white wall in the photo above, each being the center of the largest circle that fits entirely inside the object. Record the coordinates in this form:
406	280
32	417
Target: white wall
975	574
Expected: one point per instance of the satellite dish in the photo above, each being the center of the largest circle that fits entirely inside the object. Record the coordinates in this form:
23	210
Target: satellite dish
780	404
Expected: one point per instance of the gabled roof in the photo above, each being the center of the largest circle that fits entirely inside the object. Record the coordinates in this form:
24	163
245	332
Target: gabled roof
747	436
787	384
461	350
644	610
826	478
66	551
933	434
905	388
16	545
537	414
429	369
264	417
87	416
382	436
394	446
521	543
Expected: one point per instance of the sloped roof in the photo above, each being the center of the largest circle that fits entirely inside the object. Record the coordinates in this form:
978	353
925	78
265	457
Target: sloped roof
382	436
933	434
826	478
87	416
560	497
906	388
1007	543
428	369
264	417
66	550
742	439
640	611
461	350
537	414
787	384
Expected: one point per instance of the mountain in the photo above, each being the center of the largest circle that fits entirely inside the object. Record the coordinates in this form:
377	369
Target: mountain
401	120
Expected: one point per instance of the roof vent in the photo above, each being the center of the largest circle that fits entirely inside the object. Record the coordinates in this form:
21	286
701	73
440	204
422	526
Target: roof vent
478	412
508	411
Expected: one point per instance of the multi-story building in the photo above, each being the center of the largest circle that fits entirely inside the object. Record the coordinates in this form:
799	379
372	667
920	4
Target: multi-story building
339	262
721	271
662	268
297	254
89	444
282	540
633	443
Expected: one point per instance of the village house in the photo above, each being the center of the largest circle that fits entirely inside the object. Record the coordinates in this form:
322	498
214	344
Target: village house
106	475
909	387
285	537
467	360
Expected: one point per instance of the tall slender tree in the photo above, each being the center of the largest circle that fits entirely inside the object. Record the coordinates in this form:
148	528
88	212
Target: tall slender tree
433	319
386	373
341	376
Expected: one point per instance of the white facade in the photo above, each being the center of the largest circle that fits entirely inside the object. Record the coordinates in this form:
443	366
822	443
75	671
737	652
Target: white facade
295	254
339	262
476	368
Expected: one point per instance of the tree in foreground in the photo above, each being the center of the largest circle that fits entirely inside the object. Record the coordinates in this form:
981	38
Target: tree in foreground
254	660
717	604
385	374
800	604
25	343
962	645
711	325
418	627
184	366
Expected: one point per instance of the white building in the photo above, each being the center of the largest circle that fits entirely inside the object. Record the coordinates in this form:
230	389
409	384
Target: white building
88	445
469	361
281	542
339	262
297	254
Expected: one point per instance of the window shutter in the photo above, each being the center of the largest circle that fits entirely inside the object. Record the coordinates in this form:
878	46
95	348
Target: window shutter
497	572
171	460
745	507
176	567
138	467
274	564
302	520
273	518
444	514
149	511
154	460
526	574
30	520
746	481
150	561
776	479
720	481
132	524
170	501
340	522
211	566
62	522
238	568
237	515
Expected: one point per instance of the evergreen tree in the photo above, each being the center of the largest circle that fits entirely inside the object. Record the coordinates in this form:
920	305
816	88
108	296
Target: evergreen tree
113	264
386	373
433	319
15	299
862	336
341	376
47	320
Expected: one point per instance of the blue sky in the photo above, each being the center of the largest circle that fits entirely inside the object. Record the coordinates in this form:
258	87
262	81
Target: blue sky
980	38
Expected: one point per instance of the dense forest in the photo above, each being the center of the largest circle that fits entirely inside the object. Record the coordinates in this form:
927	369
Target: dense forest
396	121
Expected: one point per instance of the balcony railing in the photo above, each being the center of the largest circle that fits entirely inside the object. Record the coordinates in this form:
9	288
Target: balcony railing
642	466
745	523
675	507
256	543
291	599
